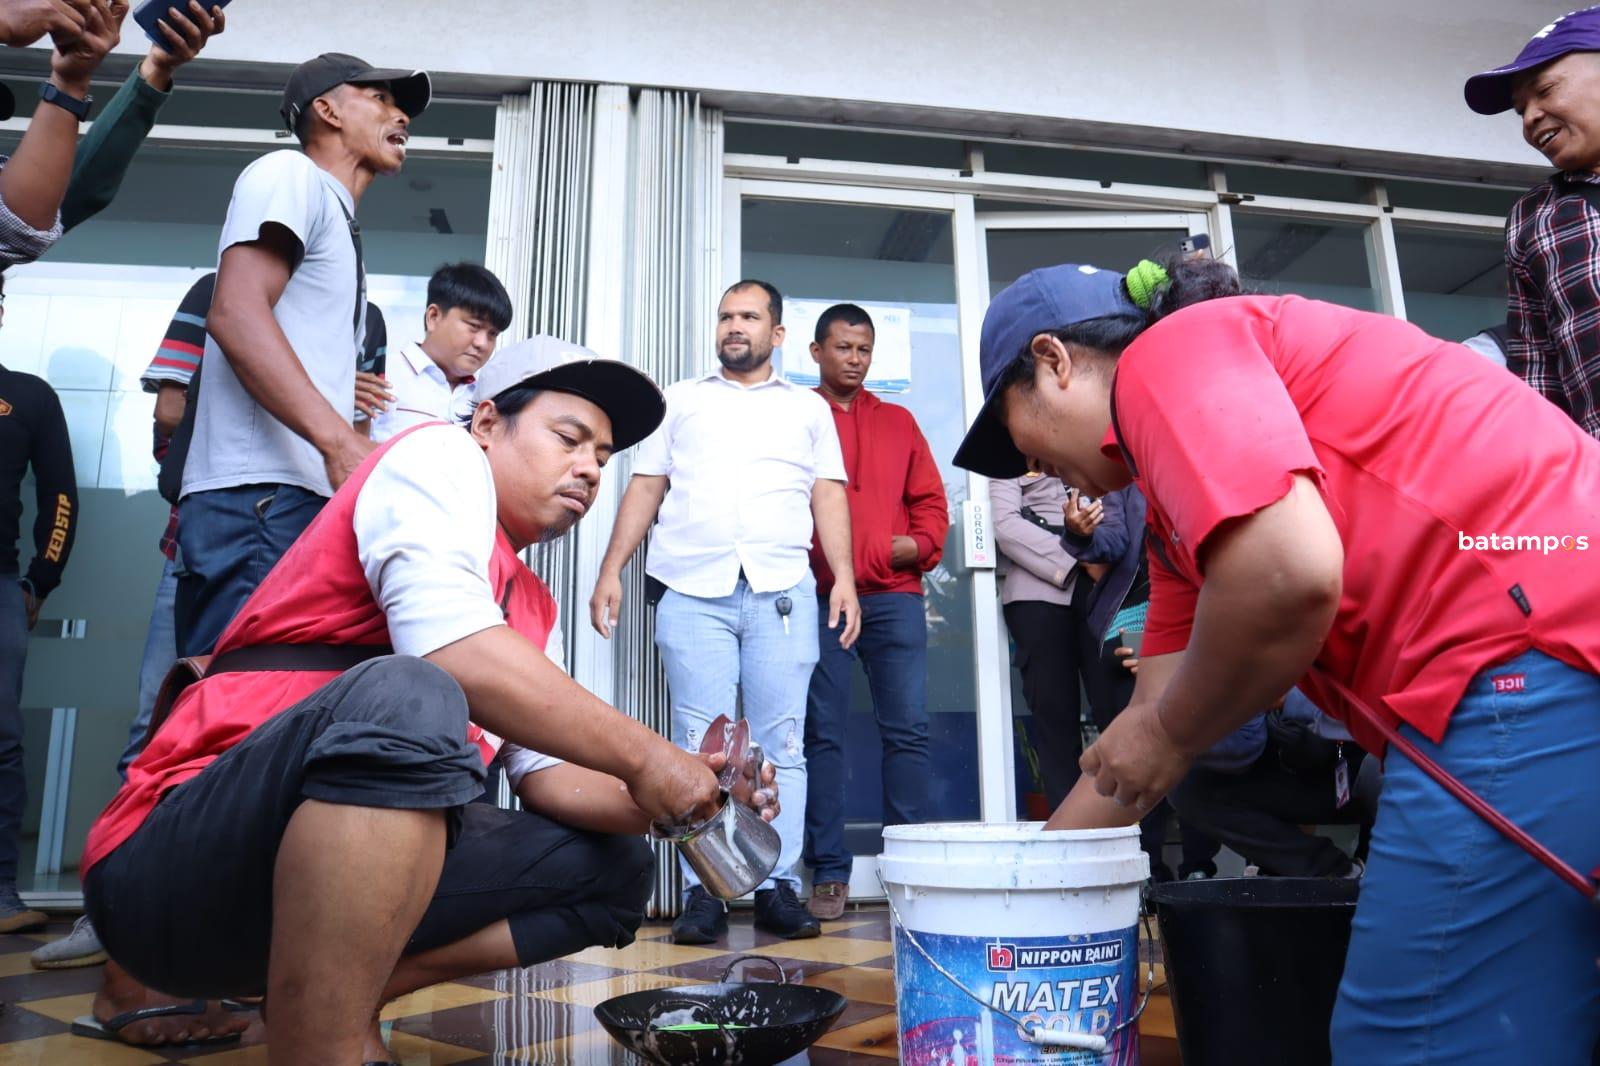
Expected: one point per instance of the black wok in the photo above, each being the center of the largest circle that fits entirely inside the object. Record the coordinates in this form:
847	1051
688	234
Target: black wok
751	1024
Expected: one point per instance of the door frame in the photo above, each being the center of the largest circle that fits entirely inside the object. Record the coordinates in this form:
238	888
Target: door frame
984	223
996	801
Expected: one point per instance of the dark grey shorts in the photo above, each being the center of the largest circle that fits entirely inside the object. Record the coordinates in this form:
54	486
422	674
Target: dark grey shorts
185	904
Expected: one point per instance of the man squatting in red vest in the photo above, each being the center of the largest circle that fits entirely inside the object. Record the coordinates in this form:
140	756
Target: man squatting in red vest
300	825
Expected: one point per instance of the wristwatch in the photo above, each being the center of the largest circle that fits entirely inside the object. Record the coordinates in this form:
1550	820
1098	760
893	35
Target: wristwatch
52	95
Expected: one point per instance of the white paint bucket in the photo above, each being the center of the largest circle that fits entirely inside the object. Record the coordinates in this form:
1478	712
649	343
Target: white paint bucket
1042	927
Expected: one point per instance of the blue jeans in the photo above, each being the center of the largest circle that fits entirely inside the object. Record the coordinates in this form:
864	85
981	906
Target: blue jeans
229	539
893	650
160	652
1464	949
13	782
717	650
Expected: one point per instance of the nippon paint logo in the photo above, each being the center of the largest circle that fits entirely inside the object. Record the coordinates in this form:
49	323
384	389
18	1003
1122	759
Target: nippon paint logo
1008	958
1544	543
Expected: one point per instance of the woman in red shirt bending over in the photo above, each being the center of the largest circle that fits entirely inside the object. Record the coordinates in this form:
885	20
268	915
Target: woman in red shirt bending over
1336	494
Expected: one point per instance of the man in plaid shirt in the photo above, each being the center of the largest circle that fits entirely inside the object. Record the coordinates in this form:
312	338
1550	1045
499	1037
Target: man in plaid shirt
1552	233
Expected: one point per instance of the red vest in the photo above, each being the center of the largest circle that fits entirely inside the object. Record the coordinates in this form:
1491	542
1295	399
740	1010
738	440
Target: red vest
316	594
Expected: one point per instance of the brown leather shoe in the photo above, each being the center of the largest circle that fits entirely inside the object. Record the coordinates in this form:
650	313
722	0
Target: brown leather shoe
827	900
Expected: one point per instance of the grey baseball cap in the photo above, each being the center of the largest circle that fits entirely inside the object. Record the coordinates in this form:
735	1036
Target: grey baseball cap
633	402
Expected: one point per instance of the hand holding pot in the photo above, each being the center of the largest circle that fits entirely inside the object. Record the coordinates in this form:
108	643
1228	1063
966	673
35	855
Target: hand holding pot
676	787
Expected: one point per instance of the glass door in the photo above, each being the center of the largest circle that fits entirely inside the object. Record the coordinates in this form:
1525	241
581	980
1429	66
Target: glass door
1013	242
87	319
897	255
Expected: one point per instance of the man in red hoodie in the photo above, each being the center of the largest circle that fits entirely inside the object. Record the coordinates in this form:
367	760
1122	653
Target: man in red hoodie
898	521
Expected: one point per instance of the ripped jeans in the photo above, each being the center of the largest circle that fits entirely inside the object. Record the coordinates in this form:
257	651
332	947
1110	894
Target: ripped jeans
716	649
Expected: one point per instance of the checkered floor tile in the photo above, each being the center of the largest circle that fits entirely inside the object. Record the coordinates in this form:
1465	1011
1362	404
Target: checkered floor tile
540	1015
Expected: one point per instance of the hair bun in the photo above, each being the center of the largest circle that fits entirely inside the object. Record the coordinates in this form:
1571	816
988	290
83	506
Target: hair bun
1144	281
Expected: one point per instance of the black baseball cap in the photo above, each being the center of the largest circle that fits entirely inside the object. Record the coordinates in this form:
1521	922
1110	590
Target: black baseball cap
412	89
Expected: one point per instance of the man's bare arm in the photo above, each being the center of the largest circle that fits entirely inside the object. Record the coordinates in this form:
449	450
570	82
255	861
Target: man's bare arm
171	399
514	691
1084	808
250	281
34	180
637	512
830	513
582	798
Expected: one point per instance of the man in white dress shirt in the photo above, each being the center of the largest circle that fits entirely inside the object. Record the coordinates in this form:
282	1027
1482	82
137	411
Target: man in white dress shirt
468	309
752	461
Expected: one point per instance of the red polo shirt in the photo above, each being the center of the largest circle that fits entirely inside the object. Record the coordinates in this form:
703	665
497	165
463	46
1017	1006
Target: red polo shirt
1419	446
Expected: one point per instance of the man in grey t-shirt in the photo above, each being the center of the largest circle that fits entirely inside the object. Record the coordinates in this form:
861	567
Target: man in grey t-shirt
272	431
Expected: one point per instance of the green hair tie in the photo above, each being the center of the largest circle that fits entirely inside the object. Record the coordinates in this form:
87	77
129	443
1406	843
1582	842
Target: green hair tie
1144	281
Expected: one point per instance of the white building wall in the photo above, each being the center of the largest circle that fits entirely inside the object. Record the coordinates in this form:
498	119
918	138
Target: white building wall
1353	76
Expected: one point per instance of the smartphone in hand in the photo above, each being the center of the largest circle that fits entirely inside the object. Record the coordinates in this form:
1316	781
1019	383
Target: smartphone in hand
1132	638
149	12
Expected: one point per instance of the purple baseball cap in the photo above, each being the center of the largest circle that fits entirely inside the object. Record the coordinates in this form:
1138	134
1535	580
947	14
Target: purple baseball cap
1042	300
1489	93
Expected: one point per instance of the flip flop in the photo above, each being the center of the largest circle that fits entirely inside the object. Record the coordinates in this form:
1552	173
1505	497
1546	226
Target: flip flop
91	1027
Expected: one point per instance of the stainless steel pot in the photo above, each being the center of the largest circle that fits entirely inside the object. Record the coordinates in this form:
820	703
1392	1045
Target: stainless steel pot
733	850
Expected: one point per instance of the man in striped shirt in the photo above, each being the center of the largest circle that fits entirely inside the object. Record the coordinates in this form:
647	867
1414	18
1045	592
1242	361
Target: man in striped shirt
1553	310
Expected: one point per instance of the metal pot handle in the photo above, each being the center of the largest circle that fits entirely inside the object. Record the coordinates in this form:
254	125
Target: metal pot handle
783	978
662	1006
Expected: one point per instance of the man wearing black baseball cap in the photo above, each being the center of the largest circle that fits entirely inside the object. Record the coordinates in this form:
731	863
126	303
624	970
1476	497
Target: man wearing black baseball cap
411	90
272	435
311	808
1553	310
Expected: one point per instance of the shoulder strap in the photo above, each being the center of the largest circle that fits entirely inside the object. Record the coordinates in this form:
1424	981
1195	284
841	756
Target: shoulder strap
1116	431
310	657
1156	544
361	268
169	481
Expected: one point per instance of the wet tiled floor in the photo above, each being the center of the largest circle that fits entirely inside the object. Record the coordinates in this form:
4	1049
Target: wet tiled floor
540	1015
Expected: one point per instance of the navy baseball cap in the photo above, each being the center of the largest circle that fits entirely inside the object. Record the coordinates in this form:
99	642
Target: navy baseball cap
1489	93
1040	301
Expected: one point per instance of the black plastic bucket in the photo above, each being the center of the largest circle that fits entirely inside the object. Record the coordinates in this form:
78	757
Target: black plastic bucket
1253	965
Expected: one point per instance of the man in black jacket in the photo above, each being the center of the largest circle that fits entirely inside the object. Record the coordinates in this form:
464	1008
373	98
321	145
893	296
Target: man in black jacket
33	432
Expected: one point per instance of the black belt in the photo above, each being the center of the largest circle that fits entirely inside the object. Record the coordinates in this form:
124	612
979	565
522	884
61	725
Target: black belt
310	657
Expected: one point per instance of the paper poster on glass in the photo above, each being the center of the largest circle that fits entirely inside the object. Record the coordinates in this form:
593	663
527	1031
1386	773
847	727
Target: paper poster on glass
891	347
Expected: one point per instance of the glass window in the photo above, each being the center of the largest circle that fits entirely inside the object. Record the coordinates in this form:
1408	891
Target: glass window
1438	196
1324	260
1003	158
435	210
1454	283
814	142
88	319
1014	252
257	109
1306	184
899	264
